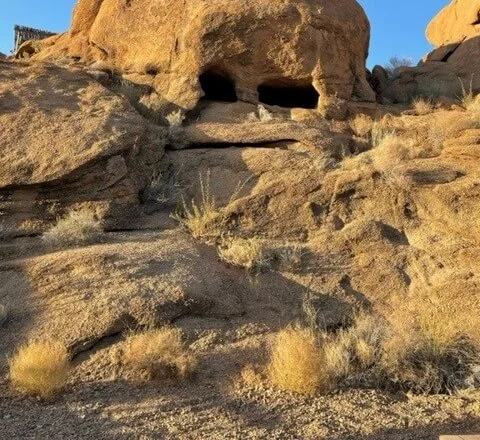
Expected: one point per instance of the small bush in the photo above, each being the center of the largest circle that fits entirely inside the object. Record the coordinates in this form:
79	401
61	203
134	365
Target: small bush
77	227
243	252
297	362
159	354
396	62
423	106
40	368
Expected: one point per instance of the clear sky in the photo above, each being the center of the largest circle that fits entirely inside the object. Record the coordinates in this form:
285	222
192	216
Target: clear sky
398	27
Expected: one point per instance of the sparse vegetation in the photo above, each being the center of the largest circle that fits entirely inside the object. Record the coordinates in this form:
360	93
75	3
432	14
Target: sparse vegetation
77	227
372	131
297	362
423	106
159	354
431	349
291	256
203	220
40	368
244	252
362	125
176	118
469	100
163	188
262	115
429	354
396	62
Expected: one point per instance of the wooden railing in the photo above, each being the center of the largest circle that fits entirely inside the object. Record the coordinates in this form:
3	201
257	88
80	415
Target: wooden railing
23	34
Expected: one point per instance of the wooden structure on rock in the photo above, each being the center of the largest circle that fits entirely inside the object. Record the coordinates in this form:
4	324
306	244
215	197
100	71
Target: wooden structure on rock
23	34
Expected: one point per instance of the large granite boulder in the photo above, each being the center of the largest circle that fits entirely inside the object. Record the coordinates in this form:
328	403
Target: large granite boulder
454	23
308	53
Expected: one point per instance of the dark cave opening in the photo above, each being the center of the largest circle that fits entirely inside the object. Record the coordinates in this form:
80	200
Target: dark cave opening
218	87
288	95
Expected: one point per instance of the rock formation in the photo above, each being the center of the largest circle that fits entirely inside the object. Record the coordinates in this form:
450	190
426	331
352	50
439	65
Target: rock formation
288	53
453	66
67	139
454	23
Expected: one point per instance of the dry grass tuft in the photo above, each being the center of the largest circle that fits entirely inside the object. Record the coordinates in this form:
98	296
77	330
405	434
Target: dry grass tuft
291	256
423	351
388	158
297	362
362	126
77	227
423	106
262	115
203	220
244	252
469	100
159	354
432	349
40	368
176	118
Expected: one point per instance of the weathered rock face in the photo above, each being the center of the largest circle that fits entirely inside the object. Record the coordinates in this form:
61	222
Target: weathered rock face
453	66
456	22
289	53
65	138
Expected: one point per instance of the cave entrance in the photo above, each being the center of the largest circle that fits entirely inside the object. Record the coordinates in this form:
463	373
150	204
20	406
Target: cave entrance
288	95
218	87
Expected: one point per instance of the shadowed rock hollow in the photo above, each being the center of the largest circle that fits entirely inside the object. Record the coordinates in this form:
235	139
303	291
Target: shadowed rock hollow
288	53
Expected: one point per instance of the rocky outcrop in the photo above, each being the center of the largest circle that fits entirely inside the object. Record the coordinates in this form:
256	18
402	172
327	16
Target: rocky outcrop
453	66
454	23
65	138
288	53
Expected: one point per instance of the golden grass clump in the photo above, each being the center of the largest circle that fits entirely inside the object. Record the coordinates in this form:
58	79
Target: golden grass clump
40	368
77	227
204	221
433	351
243	252
297	362
159	354
423	350
423	106
362	125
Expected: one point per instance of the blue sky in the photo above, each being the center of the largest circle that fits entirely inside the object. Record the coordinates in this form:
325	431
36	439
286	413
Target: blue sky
398	28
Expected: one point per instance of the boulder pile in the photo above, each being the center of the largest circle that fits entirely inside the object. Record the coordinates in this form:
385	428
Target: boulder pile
452	67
